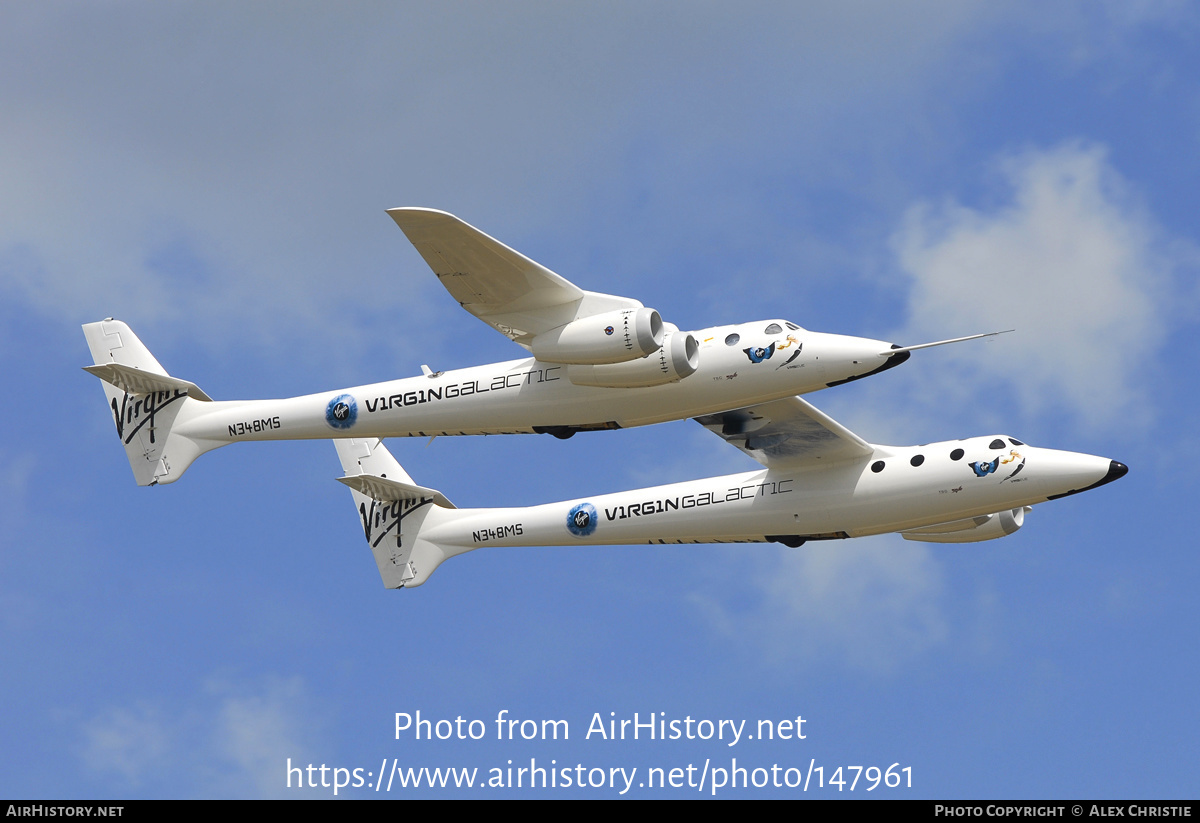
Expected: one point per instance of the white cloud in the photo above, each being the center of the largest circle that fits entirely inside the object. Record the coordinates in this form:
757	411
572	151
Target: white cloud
230	741
16	478
133	742
1068	256
872	604
258	732
1072	261
232	166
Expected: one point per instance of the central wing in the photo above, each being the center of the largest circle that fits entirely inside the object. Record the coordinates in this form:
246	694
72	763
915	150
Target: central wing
502	287
787	434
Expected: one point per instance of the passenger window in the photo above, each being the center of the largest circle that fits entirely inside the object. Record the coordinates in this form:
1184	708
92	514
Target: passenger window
957	454
877	466
732	340
917	460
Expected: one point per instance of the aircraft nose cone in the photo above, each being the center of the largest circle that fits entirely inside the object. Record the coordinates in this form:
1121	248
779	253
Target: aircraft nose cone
1116	470
862	359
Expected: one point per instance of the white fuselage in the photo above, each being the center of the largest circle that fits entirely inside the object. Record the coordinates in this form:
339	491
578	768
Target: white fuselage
850	499
524	396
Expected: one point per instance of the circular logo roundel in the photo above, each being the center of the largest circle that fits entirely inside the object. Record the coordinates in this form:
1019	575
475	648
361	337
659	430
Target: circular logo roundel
608	330
342	411
581	520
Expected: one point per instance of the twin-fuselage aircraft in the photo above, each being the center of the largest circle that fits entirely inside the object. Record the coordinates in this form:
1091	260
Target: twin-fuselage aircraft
602	362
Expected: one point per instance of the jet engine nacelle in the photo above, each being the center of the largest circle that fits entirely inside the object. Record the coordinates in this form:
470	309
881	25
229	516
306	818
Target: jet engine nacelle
612	337
971	530
677	358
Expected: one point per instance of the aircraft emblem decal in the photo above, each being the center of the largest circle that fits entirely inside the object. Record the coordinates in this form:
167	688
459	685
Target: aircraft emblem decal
757	355
983	469
1013	455
342	411
799	348
581	520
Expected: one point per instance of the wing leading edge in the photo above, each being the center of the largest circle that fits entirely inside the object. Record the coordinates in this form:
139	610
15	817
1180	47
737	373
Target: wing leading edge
502	287
787	434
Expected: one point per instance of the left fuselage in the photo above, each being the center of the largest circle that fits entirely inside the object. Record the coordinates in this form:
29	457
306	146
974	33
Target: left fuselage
738	366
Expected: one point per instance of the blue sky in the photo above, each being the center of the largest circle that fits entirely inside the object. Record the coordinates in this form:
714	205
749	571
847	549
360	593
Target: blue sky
216	175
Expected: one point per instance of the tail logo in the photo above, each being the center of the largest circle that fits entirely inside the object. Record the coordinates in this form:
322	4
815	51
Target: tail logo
142	408
342	411
581	520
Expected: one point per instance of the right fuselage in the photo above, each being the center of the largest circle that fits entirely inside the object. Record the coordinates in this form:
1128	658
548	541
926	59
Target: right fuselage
896	489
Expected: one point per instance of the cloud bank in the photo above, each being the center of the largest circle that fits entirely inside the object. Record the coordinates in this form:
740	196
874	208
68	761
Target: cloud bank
1072	261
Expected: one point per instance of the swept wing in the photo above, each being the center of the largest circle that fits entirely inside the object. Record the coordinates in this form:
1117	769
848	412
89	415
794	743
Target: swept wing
788	434
516	296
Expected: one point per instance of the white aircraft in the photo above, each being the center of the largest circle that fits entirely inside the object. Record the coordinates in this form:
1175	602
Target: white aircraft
819	481
599	362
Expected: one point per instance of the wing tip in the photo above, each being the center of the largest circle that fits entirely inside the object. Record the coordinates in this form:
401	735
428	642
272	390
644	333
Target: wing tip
413	215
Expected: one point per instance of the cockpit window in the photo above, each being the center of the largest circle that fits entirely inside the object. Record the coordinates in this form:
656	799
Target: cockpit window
791	326
732	340
1015	442
774	328
996	444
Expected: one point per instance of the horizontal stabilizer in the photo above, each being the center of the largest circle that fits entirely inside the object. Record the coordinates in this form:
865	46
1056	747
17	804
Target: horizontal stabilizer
384	490
135	381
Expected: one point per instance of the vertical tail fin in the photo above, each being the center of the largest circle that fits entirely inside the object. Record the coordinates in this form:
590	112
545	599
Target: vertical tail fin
145	403
392	511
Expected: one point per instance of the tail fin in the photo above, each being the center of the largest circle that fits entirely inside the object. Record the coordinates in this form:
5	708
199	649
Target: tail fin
392	510
145	402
